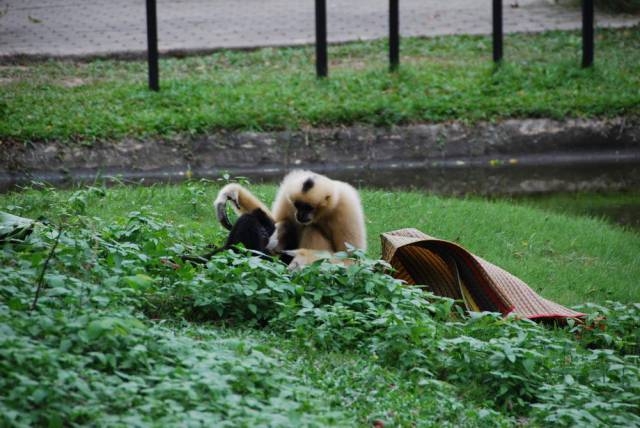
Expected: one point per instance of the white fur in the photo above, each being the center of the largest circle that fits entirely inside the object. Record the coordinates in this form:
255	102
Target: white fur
338	219
228	193
341	218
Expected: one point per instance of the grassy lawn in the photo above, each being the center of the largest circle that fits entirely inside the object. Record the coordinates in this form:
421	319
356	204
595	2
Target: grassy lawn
118	337
443	78
566	258
618	208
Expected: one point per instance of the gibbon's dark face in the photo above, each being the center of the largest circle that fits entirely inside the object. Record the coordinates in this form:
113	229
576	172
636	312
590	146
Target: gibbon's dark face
304	212
313	200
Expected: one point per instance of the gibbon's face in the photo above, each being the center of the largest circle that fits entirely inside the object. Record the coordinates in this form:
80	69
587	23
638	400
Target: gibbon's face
312	199
304	212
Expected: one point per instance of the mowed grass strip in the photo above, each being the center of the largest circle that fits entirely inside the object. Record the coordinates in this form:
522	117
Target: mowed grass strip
566	258
442	78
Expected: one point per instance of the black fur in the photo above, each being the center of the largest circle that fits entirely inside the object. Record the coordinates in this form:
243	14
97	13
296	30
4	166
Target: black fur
307	185
290	239
304	212
251	230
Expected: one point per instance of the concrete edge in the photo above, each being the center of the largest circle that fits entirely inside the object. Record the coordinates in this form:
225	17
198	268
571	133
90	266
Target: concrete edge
507	157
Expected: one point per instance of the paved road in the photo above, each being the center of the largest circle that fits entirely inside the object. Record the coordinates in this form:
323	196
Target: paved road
88	28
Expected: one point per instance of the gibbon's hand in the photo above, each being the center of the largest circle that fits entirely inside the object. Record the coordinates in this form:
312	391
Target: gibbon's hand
303	257
229	192
277	240
243	203
273	244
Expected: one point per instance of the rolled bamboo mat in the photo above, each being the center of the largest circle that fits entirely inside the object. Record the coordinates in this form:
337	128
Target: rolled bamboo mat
449	270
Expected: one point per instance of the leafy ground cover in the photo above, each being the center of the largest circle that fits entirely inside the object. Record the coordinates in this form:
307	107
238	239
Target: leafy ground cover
119	335
442	78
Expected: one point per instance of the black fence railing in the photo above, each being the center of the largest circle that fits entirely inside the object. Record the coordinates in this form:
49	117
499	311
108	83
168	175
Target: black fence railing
587	33
394	34
322	63
497	31
152	45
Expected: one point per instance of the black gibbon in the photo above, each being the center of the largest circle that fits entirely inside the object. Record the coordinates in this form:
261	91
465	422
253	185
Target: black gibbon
252	230
310	212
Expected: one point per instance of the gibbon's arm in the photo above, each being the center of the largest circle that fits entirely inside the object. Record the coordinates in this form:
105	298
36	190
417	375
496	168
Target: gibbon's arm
283	209
346	222
242	200
307	244
287	234
304	257
312	237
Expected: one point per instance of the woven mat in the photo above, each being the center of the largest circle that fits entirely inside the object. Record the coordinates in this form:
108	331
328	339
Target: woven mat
449	270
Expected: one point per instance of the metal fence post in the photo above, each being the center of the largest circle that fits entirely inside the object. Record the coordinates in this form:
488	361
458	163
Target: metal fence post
152	45
497	30
587	33
394	34
321	38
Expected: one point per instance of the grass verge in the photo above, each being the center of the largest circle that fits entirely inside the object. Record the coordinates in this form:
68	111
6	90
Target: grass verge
617	208
442	78
566	258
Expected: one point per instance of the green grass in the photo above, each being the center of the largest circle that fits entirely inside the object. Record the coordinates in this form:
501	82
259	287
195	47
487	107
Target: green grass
617	208
440	79
625	6
566	258
120	338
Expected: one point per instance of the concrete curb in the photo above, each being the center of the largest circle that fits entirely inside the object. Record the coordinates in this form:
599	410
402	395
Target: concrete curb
508	157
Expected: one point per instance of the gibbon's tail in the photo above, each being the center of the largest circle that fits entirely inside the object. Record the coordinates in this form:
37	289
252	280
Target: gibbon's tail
242	200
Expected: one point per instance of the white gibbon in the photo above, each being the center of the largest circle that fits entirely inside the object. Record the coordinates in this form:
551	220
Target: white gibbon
310	211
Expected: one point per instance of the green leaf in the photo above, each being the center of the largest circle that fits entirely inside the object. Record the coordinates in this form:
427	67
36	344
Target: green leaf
56	280
14	227
508	352
55	421
96	328
139	282
529	364
16	304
